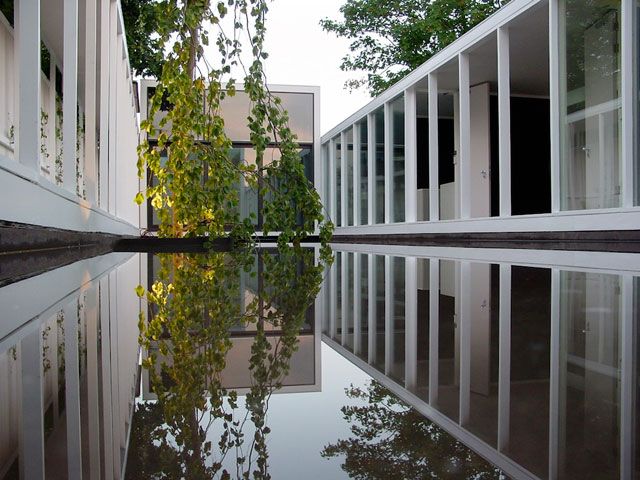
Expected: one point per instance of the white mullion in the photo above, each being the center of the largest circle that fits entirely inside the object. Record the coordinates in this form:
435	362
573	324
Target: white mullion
344	211
434	184
112	104
554	99
434	318
332	181
91	167
103	152
554	377
72	389
464	157
411	324
356	174
410	156
627	381
344	299
628	101
333	298
28	59
371	168
504	121
93	403
388	314
504	360
105	349
388	163
70	95
372	304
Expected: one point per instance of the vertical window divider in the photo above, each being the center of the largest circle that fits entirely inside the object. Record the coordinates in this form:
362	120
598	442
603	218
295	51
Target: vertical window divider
410	156
388	163
464	156
504	121
628	102
554	99
356	174
371	168
434	183
344	220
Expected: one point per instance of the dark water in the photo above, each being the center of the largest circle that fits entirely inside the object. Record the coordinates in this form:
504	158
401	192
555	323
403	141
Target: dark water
392	362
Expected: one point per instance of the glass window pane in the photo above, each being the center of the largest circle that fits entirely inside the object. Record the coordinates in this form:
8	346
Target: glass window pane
590	115
397	114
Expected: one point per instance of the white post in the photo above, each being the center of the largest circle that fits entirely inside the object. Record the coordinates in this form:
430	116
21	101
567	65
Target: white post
70	96
410	156
72	389
388	314
372	304
344	298
103	152
504	360
115	375
90	160
357	174
628	100
464	155
434	183
332	181
28	131
113	103
333	298
388	163
32	416
105	350
371	168
434	319
411	324
554	99
465	342
93	414
344	211
357	301
504	121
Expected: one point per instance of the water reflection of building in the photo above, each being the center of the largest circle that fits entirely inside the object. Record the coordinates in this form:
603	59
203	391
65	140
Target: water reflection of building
304	373
531	366
68	370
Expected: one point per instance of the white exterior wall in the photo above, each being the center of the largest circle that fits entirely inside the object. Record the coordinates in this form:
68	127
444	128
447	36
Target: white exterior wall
33	195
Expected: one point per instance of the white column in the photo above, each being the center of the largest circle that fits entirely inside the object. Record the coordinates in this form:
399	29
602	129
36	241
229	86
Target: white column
333	298
372	313
90	160
504	121
464	155
388	313
357	174
434	183
332	181
554	100
28	59
627	381
115	375
344	287
371	168
103	153
70	96
410	156
105	350
504	360
93	403
411	324
628	99
434	319
113	103
465	342
554	377
72	389
388	163
32	415
344	212
357	302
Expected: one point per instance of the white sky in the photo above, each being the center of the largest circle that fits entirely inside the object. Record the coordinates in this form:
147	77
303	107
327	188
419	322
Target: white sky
301	53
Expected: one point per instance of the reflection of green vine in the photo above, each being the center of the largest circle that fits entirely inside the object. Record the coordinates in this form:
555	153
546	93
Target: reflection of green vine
80	186
61	356
12	134
13	353
46	363
194	303
44	120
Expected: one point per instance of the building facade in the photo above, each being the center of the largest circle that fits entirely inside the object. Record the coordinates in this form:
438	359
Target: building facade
536	131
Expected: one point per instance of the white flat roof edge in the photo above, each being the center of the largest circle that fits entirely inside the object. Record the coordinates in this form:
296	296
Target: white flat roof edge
485	28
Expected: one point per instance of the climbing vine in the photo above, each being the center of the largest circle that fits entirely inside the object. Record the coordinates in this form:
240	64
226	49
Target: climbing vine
191	137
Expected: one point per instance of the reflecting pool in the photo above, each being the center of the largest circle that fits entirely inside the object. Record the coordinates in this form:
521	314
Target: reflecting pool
385	362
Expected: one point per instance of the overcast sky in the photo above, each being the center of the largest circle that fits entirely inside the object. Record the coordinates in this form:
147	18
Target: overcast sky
301	53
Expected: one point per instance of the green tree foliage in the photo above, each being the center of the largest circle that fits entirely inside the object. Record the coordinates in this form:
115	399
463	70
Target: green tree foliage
391	440
195	301
390	38
193	132
143	42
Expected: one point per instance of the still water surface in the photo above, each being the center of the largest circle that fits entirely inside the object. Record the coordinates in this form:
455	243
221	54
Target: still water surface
392	362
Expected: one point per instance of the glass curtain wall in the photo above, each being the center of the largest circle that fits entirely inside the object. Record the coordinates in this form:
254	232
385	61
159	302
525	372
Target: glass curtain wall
364	173
590	104
379	167
348	151
397	115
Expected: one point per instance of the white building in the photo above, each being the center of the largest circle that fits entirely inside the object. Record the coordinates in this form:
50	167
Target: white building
536	132
78	174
